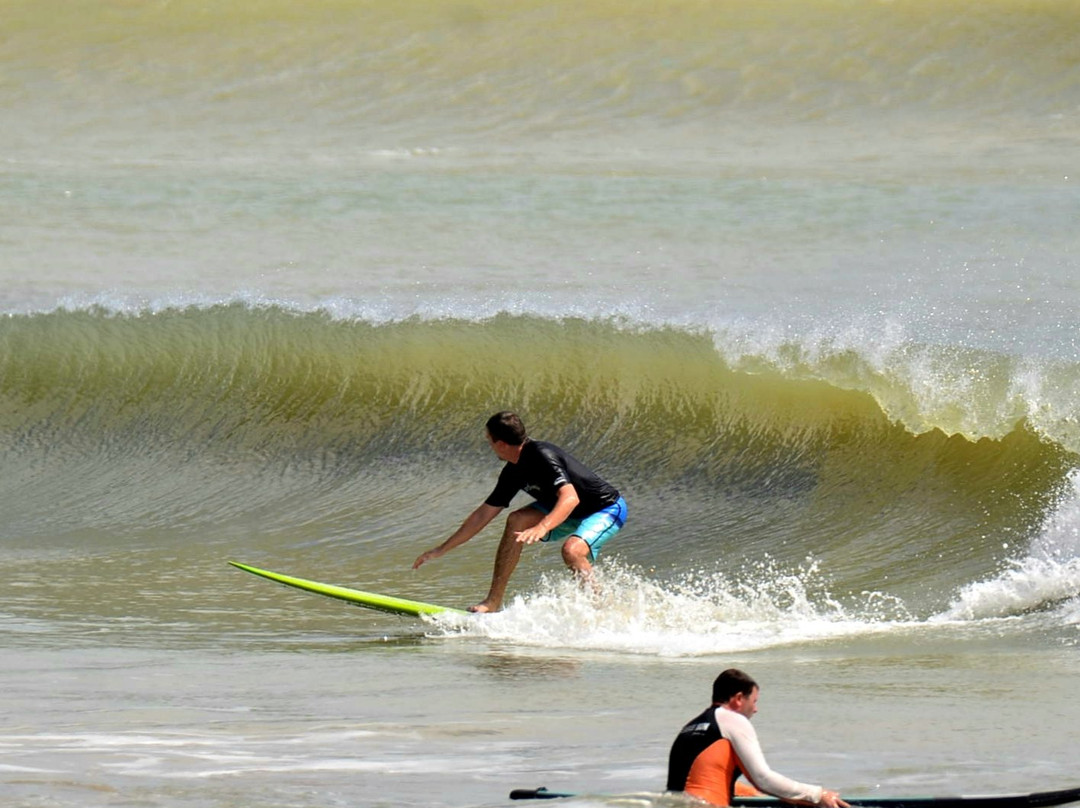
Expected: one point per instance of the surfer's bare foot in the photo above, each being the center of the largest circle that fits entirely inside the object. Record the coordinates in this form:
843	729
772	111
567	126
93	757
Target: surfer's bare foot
484	607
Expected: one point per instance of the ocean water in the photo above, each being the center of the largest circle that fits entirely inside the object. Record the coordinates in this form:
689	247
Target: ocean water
800	277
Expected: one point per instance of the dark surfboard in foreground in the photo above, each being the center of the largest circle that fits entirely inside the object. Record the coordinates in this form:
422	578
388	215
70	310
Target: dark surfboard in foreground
1036	799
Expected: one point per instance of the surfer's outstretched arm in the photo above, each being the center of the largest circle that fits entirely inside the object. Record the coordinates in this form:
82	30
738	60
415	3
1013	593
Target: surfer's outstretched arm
473	524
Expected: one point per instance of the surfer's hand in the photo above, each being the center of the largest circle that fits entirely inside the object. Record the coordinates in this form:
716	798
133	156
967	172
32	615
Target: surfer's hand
831	799
423	558
530	535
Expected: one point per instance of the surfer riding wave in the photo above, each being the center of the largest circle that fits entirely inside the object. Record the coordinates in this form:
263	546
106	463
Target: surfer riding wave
572	504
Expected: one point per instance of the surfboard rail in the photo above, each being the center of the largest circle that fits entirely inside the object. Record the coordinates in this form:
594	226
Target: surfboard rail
367	600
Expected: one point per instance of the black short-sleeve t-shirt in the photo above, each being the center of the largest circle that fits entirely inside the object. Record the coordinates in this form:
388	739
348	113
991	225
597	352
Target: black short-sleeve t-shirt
542	469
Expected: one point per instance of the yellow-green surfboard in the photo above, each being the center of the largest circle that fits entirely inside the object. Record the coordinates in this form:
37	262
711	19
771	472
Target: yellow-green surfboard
368	600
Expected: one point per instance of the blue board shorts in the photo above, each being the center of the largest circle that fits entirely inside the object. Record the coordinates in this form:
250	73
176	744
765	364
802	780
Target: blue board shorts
594	529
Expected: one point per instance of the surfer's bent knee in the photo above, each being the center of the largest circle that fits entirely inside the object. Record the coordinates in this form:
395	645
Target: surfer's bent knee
575	550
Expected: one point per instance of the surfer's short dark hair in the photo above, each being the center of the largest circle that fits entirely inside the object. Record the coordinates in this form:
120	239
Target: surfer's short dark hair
731	682
507	427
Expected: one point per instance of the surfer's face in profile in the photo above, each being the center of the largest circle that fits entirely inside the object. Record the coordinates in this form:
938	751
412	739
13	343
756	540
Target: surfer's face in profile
746	705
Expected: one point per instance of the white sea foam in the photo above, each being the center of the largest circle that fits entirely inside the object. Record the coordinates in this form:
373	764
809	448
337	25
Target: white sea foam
699	615
1049	573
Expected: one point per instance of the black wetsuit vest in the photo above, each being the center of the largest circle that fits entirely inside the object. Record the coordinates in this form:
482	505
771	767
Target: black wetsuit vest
693	739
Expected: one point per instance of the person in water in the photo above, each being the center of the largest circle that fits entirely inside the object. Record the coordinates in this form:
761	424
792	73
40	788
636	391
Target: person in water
572	504
714	748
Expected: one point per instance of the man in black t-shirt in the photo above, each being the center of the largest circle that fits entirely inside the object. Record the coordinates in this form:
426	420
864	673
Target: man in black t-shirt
571	504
